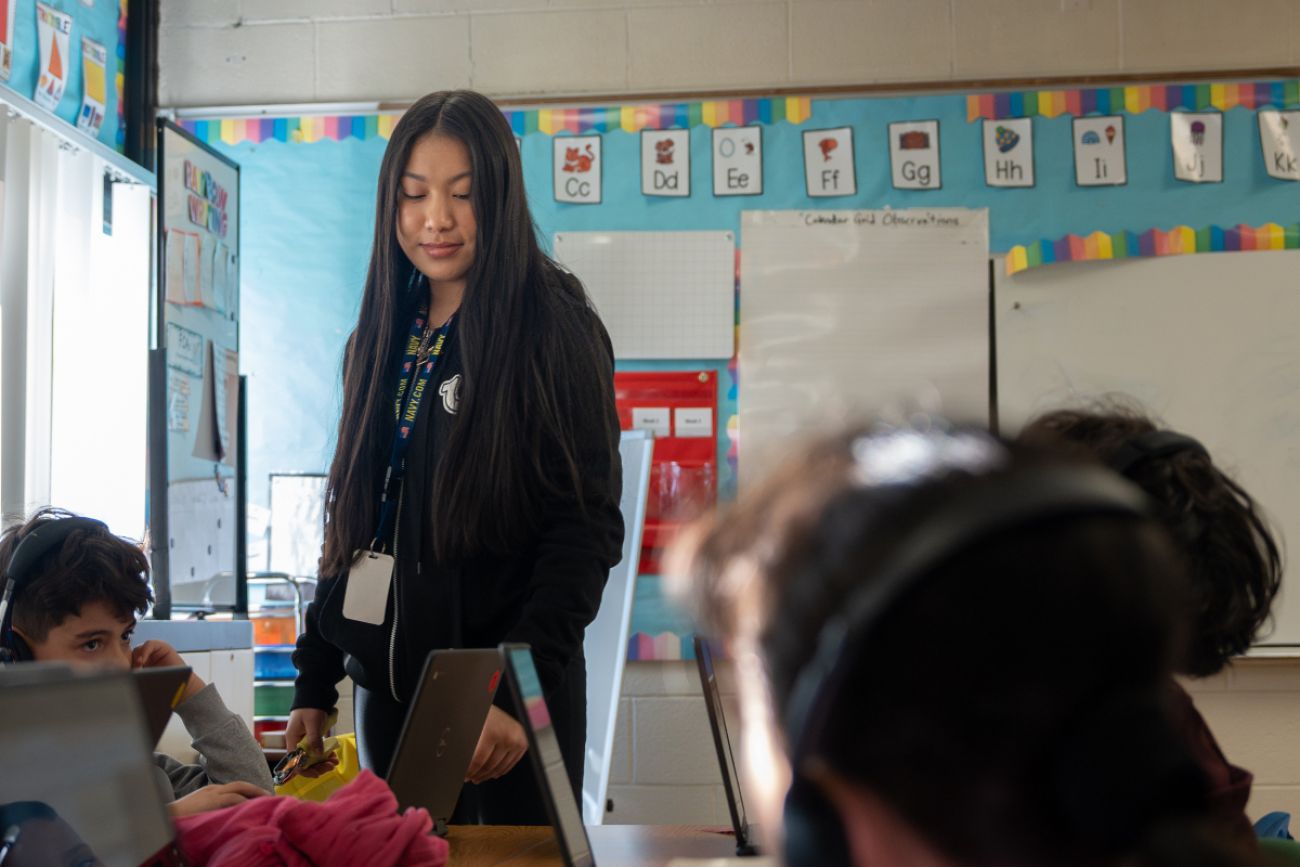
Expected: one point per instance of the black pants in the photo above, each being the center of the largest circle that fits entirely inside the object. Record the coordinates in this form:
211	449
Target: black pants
513	799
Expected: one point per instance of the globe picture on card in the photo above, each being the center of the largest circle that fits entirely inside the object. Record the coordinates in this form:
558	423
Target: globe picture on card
1197	142
1009	152
1099	154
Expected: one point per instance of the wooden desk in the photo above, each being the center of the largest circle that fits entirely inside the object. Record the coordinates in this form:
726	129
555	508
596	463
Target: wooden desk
613	845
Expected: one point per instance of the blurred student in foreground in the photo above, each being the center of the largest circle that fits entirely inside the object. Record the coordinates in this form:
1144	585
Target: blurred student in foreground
953	651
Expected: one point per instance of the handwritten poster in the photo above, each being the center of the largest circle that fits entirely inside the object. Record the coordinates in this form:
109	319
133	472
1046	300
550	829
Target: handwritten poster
52	29
184	349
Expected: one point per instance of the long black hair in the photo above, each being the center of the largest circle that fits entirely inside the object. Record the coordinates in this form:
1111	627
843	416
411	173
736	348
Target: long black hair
523	323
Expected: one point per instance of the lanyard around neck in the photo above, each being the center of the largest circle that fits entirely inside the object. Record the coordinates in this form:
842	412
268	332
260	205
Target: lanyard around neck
412	383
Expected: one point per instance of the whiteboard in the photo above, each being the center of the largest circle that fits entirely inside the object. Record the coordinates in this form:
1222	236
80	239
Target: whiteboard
1207	343
847	313
605	644
660	294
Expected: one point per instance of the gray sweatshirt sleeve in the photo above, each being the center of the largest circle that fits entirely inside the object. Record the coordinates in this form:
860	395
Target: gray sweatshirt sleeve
227	751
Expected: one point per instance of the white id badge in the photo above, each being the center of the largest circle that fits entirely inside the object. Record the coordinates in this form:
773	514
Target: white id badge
365	599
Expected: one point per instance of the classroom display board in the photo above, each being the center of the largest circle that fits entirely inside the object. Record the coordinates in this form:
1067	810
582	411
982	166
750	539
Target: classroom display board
1207	343
195	416
69	58
1204	166
847	313
660	294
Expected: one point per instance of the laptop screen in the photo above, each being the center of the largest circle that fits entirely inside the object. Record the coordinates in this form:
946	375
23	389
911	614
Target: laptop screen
78	785
722	740
547	758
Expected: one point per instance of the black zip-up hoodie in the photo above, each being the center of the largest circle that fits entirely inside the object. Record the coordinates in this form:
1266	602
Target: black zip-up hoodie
544	593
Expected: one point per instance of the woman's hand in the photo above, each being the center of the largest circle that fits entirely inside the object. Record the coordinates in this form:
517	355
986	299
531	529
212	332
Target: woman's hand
160	654
213	798
309	723
500	747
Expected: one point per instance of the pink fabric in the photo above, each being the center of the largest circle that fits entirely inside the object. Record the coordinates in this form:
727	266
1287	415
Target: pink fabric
359	824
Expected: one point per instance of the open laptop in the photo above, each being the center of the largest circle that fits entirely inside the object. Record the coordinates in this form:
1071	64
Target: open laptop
442	729
160	691
745	838
78	785
544	748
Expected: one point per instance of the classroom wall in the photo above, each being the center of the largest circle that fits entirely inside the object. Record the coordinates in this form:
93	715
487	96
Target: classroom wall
1253	709
239	52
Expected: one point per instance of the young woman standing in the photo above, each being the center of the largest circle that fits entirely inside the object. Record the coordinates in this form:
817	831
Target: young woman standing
477	448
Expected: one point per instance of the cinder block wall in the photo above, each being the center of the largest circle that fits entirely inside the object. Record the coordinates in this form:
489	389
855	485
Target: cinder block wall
238	52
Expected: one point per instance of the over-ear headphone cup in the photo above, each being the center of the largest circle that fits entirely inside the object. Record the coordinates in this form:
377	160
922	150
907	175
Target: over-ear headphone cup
14	649
814	834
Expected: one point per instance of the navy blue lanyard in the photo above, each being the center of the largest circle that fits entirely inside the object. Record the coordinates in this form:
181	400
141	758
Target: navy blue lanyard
406	409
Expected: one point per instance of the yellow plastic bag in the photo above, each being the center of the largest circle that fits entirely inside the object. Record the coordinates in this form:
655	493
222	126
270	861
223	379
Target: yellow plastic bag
319	788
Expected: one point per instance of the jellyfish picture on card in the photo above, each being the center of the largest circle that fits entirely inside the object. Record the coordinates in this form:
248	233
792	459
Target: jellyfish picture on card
1197	141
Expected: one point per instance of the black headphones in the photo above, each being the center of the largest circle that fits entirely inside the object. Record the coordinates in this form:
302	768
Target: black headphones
20	571
813	832
1150	445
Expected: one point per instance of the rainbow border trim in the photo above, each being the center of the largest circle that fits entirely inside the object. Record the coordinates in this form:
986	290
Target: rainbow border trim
549	121
1178	241
666	646
1133	100
119	79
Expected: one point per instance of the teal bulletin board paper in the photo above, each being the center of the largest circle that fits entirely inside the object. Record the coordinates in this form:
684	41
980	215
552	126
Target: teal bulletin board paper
100	23
308	218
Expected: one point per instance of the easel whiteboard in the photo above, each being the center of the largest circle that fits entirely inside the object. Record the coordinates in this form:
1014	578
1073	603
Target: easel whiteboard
1208	343
660	294
605	644
845	313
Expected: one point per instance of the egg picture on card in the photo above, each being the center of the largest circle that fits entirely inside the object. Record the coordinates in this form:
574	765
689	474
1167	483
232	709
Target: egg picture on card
828	162
738	161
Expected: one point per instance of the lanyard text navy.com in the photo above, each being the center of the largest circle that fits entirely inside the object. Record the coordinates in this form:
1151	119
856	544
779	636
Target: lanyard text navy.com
406	409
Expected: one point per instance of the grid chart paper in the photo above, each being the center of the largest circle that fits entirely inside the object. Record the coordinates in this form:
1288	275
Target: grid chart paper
660	294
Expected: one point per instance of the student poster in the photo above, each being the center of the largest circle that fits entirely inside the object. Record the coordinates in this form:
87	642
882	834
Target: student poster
6	38
52	29
94	59
199	218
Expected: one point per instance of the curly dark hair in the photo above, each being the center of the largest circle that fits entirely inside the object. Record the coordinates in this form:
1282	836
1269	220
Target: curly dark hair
91	565
1234	563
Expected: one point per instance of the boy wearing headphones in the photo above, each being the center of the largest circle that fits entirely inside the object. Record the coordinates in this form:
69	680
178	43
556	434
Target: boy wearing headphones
74	591
1233	563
